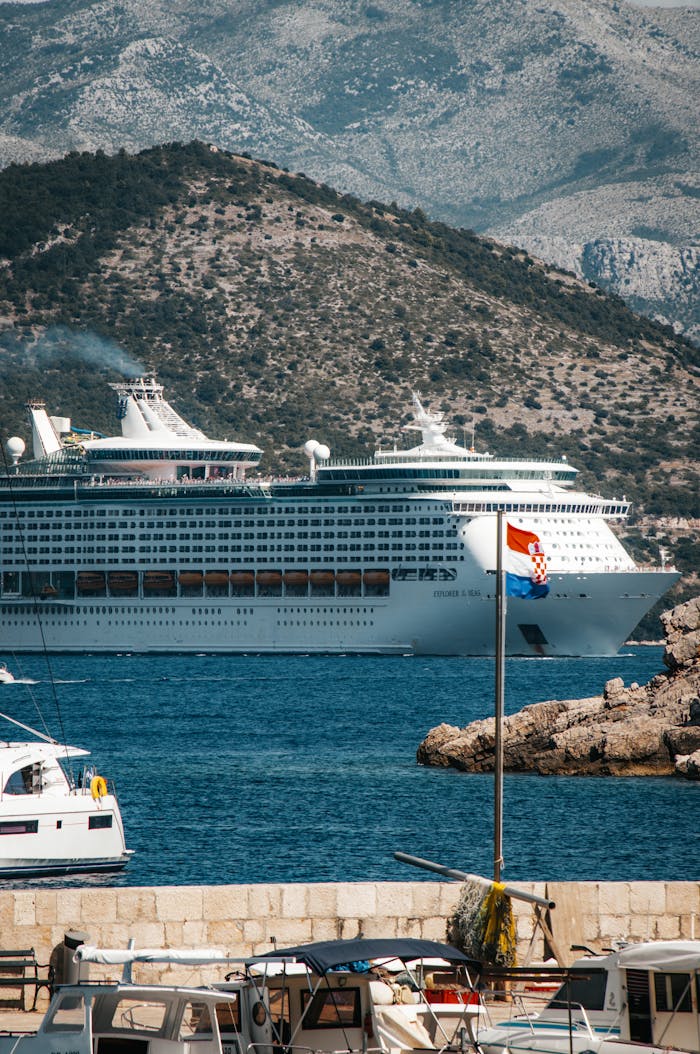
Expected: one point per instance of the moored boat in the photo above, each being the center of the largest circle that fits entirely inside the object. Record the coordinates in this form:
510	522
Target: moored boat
53	822
640	999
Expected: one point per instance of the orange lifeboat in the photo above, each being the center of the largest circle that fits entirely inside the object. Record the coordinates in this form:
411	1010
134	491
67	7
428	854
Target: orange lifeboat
158	581
322	579
90	582
376	579
190	579
349	579
242	580
123	581
216	578
295	578
269	579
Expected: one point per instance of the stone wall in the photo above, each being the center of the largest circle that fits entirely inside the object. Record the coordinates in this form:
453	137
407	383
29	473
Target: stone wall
244	920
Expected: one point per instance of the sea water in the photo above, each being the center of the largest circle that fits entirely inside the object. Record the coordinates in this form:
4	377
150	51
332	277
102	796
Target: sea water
244	769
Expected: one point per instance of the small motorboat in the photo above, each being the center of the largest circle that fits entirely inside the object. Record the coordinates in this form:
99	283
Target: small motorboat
5	676
51	821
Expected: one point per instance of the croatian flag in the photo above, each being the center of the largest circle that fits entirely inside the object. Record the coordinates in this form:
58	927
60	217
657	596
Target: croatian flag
525	565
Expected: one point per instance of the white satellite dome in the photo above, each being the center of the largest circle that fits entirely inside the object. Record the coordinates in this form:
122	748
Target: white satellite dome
15	448
310	447
322	452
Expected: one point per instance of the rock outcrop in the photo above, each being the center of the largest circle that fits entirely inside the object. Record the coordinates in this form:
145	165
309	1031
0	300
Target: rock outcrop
637	731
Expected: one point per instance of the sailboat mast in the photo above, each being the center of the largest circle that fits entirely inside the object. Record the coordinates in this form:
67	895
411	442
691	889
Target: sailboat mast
499	702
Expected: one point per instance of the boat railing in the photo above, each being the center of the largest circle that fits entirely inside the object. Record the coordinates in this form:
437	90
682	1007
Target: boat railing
530	1009
84	784
296	1048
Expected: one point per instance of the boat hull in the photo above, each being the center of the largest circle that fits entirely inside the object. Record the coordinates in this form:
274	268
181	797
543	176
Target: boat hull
59	834
424	613
53	868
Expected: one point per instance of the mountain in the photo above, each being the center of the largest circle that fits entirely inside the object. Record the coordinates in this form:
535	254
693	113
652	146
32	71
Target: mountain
568	127
276	310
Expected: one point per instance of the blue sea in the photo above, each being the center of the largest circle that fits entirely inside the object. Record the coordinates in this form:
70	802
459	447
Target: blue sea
246	769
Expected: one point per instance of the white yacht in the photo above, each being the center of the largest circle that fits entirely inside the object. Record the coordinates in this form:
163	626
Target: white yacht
161	539
640	998
52	823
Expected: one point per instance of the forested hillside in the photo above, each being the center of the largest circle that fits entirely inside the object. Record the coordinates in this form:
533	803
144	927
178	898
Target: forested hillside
274	310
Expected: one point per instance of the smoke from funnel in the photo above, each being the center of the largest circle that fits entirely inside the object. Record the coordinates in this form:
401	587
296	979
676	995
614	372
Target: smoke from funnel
58	343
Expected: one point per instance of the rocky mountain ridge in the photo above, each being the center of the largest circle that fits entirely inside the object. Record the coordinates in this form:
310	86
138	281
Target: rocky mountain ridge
529	120
648	730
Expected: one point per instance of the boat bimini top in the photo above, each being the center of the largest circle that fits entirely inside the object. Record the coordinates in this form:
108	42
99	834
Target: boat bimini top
324	956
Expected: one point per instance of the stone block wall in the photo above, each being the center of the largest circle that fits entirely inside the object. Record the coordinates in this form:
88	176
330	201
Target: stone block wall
245	920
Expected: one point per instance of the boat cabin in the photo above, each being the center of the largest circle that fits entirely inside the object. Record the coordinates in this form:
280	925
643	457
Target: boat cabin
118	1018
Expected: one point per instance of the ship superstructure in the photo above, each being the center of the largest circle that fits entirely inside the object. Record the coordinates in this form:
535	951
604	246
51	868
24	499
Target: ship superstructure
164	540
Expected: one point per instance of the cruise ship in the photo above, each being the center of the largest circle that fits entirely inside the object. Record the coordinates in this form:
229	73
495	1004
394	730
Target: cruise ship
163	540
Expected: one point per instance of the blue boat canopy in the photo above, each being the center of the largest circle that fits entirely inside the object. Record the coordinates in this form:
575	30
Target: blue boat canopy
323	956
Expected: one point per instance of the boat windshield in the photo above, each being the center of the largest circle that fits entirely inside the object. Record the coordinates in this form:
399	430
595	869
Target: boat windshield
586	990
21	781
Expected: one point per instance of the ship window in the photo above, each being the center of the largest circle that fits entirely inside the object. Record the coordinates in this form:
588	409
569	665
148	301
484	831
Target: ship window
19	826
139	1015
672	992
99	822
196	1022
331	1008
68	1015
20	782
587	991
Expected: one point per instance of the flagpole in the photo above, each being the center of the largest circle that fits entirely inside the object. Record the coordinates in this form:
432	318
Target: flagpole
499	707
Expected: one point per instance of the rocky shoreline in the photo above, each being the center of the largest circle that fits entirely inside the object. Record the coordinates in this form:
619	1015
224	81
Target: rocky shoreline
647	730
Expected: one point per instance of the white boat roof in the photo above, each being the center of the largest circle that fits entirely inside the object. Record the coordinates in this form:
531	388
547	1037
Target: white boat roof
12	754
666	956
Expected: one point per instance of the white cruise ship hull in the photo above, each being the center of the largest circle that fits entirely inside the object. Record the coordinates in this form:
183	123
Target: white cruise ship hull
584	615
157	541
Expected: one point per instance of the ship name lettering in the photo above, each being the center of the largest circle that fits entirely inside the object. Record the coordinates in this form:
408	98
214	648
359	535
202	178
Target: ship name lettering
424	574
445	592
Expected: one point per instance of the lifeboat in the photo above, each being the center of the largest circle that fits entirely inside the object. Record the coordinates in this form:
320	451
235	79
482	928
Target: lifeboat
190	579
296	578
216	578
123	581
90	582
242	581
376	579
158	581
269	579
322	579
349	579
